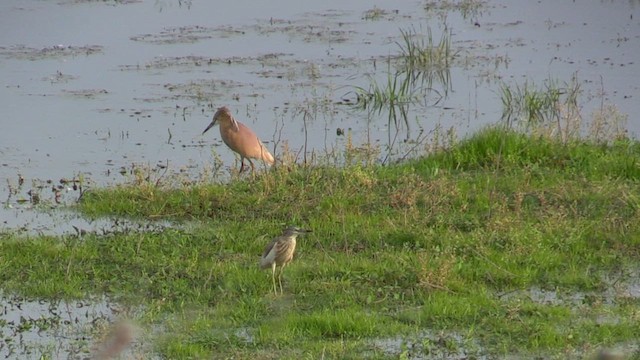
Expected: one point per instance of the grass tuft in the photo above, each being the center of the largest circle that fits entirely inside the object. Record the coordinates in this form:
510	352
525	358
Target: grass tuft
422	67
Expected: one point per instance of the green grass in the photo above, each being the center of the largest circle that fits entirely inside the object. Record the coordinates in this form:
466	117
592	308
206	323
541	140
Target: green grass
443	252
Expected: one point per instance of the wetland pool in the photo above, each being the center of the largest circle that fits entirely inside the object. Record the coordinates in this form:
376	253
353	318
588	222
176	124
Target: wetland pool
92	90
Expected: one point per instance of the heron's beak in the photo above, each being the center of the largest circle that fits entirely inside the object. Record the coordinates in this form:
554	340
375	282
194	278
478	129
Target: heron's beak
210	126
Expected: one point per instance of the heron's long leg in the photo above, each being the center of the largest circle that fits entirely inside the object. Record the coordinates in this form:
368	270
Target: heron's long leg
273	277
241	163
280	277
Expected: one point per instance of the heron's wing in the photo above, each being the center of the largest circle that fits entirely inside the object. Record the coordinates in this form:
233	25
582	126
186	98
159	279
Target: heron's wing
269	246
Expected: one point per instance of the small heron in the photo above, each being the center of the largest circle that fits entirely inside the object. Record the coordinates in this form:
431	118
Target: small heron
240	138
279	252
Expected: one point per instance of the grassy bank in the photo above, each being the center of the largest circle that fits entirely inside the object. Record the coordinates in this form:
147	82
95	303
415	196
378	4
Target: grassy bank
503	244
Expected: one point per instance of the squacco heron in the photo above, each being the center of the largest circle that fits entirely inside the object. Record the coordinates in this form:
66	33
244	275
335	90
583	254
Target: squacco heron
279	252
240	138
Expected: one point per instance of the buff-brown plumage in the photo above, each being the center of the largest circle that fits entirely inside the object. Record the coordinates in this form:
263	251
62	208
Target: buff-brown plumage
239	138
279	252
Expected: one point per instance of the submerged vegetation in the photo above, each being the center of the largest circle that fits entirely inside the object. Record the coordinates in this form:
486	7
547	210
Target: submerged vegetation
553	110
505	243
426	61
469	9
549	107
411	77
394	96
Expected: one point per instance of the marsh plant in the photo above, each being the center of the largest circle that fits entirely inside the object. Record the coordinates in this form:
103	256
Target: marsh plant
375	13
554	110
469	9
425	60
421	68
394	96
607	124
551	109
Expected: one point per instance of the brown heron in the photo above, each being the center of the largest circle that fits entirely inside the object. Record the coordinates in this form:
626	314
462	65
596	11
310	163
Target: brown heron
279	252
240	138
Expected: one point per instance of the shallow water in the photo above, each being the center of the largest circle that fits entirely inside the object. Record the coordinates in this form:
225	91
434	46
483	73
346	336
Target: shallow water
447	345
31	329
91	89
